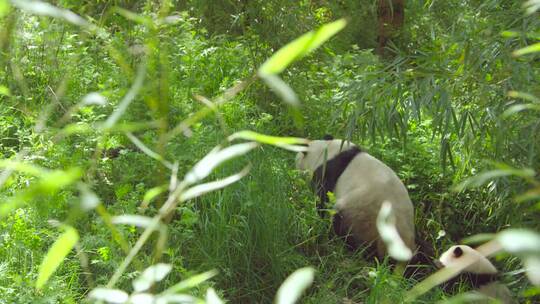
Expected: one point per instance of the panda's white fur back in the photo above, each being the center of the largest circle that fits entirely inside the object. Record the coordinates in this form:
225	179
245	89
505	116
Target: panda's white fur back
361	194
361	189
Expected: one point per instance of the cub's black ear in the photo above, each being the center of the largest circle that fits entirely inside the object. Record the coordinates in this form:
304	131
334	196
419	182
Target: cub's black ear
328	137
458	252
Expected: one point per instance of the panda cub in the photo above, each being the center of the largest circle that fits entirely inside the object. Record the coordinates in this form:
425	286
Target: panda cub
360	183
482	275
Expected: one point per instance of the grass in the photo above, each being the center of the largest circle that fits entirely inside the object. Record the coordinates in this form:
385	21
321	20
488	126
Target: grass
432	114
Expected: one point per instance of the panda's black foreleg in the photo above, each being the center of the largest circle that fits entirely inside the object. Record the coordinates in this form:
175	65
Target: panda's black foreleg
343	231
423	261
321	205
322	193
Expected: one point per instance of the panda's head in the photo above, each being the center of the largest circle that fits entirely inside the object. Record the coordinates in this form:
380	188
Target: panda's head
458	253
319	151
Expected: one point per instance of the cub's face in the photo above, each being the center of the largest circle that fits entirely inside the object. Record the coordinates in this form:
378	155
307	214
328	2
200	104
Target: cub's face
458	253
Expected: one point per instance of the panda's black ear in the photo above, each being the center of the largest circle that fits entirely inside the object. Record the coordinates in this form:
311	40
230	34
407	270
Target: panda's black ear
328	137
458	252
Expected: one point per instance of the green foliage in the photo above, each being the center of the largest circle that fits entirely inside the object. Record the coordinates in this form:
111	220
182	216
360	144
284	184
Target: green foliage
109	110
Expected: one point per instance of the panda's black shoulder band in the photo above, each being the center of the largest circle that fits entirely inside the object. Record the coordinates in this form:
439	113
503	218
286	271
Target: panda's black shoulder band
328	137
326	175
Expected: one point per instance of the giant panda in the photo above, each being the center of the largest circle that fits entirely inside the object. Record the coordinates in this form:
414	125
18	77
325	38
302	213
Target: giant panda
360	183
481	274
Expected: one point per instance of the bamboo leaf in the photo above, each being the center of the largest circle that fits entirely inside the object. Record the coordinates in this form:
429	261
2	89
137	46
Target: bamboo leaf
526	245
151	195
177	299
46	9
531	6
532	268
299	47
142	298
89	200
191	282
3	90
478	238
134	17
115	296
533	48
292	288
519	241
212	297
523	95
151	275
54	180
288	143
50	182
386	225
131	219
468	297
77	128
482	178
199	190
532	194
94	98
128	98
22	167
520	107
148	151
216	157
56	255
282	89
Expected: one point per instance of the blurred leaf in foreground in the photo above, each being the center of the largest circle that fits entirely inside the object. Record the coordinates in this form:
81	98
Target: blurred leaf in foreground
151	275
288	143
526	245
292	288
386	225
299	48
46	9
216	157
56	255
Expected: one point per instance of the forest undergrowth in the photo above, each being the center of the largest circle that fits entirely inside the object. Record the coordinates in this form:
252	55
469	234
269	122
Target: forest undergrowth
143	133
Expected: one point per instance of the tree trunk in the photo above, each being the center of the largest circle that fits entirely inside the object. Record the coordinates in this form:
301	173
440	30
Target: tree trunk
390	16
